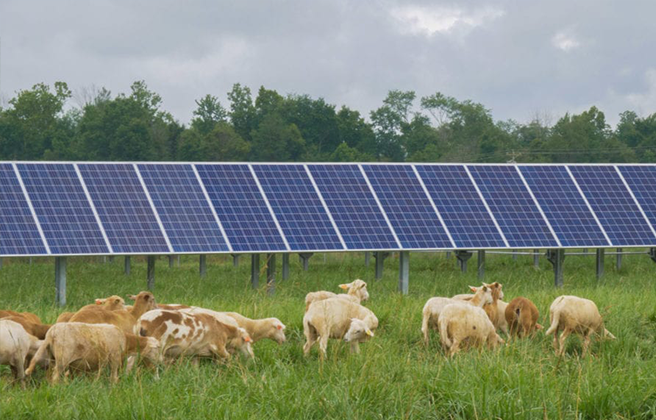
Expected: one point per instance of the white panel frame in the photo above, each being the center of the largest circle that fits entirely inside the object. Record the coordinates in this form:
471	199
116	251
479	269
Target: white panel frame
273	214
635	200
380	206
430	200
29	204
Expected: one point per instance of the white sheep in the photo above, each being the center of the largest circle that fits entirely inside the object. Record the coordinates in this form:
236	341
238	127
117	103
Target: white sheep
573	314
337	318
234	344
496	310
434	307
15	346
259	329
356	291
461	322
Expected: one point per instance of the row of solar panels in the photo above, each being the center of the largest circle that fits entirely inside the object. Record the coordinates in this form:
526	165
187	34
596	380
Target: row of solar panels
150	208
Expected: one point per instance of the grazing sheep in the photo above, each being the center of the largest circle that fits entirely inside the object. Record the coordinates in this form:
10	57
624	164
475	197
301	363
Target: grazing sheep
522	317
495	310
573	314
258	329
337	318
236	343
112	303
15	346
356	292
461	323
27	315
434	307
91	347
37	330
124	319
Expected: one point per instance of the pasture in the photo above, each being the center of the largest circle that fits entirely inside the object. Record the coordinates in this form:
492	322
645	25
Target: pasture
395	376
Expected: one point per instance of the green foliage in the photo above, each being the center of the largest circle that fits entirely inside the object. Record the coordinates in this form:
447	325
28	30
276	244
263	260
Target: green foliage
38	125
395	376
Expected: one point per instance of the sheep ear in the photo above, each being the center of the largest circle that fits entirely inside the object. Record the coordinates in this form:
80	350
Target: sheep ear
279	327
343	286
131	297
485	288
488	285
369	332
473	289
99	301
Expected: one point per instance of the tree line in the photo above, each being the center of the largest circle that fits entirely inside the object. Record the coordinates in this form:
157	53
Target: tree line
37	124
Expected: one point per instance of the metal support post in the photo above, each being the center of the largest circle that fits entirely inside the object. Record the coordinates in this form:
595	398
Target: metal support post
151	272
481	264
618	261
536	258
177	261
235	260
448	255
404	271
111	259
600	263
380	258
367	258
652	254
285	266
255	270
203	265
556	257
171	261
462	257
271	274
0	262
514	255
305	259
60	280
127	265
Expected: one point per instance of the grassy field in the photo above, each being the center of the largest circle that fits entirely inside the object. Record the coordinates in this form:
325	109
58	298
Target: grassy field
395	376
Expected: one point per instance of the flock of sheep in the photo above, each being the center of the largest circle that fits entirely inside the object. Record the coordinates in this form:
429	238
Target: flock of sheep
108	332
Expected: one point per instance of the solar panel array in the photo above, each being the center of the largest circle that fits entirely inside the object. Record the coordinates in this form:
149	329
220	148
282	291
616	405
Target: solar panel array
152	208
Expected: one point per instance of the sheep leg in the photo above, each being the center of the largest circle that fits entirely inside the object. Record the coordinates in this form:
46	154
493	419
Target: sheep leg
424	327
586	342
310	337
323	344
556	343
563	337
455	347
114	365
56	372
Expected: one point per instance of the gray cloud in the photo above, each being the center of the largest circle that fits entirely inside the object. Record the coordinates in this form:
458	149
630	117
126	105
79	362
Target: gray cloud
516	57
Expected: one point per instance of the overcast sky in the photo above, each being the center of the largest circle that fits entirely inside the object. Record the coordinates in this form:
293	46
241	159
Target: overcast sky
519	58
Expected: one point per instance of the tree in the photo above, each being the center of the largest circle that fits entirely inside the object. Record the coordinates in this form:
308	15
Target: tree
242	111
221	144
274	140
317	122
208	114
344	153
388	122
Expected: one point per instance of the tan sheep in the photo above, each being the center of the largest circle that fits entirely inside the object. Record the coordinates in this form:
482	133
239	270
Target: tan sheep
522	317
495	310
573	314
337	318
15	346
434	307
112	303
356	291
461	323
259	329
234	344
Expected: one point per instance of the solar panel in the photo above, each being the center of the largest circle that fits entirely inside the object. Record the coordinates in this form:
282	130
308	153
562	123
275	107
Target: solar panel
512	206
19	234
408	208
612	203
60	204
241	208
353	207
123	208
564	206
642	181
461	207
181	204
297	206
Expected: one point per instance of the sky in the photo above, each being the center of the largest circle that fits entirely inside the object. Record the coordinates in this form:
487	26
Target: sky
522	59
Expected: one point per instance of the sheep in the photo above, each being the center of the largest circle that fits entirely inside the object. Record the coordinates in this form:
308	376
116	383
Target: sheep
337	318
522	317
27	315
91	347
495	310
112	303
15	346
434	306
356	292
37	330
235	343
574	314
460	322
258	329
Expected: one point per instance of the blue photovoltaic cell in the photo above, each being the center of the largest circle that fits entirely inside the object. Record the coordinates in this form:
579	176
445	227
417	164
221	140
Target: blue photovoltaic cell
123	208
62	208
512	206
564	206
246	219
185	213
299	211
353	207
19	234
612	203
642	181
460	206
408	208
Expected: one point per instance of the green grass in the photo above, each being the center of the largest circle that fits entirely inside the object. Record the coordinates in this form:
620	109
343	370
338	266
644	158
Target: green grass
395	376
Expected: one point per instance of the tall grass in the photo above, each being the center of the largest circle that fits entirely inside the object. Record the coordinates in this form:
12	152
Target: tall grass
395	376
